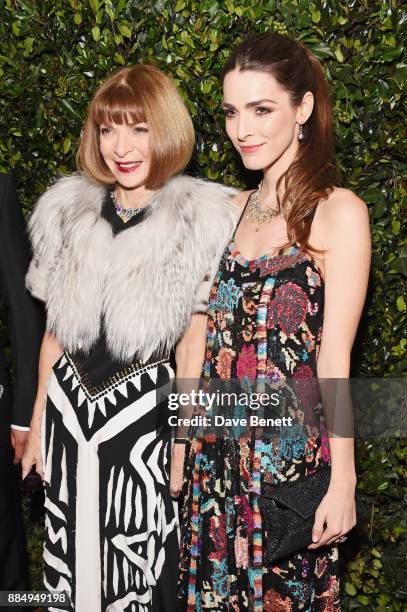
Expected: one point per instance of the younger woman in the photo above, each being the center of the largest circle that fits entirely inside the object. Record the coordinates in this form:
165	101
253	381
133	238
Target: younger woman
285	303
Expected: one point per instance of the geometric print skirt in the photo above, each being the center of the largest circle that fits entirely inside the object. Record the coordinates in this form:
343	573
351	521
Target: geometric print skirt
112	531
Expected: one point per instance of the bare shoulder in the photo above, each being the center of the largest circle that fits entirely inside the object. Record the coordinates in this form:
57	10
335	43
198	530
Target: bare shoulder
342	206
241	197
341	212
342	218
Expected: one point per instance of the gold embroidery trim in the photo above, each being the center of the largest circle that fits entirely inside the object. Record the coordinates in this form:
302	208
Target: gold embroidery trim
137	367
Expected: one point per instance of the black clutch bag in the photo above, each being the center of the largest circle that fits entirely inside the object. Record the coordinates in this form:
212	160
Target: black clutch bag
288	512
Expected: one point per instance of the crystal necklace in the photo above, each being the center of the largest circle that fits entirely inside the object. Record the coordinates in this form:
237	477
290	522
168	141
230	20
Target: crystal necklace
257	214
128	213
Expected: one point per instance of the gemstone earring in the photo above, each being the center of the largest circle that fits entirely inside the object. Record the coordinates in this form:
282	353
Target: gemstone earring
300	133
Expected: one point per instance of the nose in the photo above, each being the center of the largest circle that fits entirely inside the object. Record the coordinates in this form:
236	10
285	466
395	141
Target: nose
244	127
123	144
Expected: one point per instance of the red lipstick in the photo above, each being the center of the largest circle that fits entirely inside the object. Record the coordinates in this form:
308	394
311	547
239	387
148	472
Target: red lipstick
128	167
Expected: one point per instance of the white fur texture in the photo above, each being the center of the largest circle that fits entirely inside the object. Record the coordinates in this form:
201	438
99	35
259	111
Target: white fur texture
142	281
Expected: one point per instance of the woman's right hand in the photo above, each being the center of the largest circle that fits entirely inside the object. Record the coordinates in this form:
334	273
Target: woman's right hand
177	469
32	454
51	351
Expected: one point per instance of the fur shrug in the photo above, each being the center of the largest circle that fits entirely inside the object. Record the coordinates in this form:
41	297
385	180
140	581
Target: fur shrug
143	282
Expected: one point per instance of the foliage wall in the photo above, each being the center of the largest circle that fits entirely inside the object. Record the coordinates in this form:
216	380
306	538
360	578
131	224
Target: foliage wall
53	53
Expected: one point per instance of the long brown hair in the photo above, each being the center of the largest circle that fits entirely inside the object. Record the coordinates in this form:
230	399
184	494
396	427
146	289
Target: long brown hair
312	175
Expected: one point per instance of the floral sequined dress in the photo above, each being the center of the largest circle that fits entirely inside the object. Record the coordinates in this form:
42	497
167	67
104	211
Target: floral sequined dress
265	323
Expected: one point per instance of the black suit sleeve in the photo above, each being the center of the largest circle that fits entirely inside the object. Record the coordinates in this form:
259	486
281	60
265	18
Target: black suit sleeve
25	316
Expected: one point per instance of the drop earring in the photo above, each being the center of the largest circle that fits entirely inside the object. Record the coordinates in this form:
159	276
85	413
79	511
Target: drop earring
300	133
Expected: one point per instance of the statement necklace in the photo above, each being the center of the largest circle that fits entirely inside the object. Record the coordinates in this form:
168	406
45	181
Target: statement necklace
128	213
257	214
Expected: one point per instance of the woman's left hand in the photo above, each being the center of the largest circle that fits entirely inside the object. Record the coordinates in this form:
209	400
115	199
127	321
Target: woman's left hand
335	515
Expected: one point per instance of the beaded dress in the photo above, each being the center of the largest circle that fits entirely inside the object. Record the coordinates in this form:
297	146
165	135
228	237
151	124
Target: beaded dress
264	323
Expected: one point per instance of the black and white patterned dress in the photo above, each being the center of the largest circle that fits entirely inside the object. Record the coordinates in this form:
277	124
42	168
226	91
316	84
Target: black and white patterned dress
111	525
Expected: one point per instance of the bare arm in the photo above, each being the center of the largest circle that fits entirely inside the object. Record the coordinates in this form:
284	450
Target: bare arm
346	268
189	355
344	223
50	352
190	350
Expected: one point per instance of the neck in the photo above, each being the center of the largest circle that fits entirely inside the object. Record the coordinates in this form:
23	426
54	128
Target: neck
133	198
272	173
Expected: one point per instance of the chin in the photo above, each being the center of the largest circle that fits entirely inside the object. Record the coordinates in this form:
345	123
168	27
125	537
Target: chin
261	162
130	181
254	167
254	164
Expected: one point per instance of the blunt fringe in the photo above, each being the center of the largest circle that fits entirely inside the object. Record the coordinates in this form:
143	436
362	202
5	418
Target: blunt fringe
313	174
138	94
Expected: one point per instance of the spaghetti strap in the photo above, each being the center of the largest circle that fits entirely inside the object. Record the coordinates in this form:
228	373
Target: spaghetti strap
242	213
312	213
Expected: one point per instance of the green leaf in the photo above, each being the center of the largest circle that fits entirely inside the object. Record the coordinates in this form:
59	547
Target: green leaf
120	6
383	600
119	59
77	18
109	13
391	55
68	106
401	303
16	28
28	45
339	55
350	589
321	50
379	208
316	16
96	33
401	71
125	31
400	265
67	145
363	600
395	226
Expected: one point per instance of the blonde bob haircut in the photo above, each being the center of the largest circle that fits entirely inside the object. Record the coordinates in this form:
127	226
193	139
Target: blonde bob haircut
139	94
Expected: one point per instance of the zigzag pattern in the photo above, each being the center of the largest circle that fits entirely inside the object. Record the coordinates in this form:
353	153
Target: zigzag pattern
116	503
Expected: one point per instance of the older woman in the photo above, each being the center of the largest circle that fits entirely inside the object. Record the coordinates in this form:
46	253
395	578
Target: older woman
120	253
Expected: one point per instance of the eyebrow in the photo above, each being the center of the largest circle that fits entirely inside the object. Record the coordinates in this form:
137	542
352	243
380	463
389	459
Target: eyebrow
251	104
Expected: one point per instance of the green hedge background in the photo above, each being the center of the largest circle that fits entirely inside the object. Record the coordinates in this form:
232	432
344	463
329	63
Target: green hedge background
53	53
